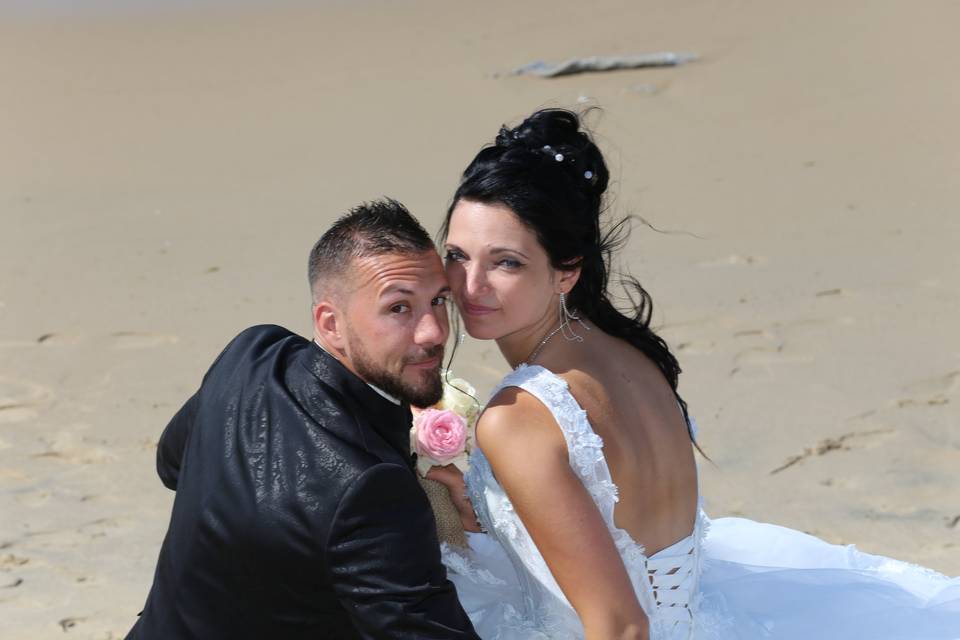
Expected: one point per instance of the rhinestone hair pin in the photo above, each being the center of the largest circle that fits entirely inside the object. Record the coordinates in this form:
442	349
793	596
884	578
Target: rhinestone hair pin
559	157
556	156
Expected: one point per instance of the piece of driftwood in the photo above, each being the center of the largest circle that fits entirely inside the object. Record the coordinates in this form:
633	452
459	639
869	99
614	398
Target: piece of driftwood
603	63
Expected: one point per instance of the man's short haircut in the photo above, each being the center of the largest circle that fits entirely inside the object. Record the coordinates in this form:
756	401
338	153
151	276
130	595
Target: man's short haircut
370	229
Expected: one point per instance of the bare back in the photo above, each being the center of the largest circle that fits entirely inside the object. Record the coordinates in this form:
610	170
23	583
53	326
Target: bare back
632	408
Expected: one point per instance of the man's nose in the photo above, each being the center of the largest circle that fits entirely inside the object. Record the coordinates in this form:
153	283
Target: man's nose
432	328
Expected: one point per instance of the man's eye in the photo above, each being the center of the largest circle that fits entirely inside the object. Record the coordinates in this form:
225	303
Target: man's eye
439	301
399	308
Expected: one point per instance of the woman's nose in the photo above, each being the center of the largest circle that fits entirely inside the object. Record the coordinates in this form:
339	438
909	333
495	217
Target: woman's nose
476	280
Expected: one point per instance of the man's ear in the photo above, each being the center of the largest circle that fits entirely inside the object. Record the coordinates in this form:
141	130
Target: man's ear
568	278
327	324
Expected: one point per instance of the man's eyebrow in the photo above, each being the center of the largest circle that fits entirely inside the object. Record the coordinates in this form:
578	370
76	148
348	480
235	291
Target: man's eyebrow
399	288
396	288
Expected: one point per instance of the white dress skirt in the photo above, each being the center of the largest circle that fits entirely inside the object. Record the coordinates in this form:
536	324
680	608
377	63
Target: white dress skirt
731	578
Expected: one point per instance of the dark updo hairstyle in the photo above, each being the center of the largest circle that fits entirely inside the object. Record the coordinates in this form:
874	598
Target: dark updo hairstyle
551	174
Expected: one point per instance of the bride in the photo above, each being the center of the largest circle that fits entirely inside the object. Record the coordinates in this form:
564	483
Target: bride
585	477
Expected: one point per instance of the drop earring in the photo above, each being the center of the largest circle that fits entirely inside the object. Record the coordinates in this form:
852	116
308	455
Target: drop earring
565	317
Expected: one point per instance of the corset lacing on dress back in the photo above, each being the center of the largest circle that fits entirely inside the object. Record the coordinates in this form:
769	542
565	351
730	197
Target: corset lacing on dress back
674	576
672	581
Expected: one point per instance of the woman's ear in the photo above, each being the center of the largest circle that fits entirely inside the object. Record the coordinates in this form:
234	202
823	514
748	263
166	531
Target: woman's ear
568	277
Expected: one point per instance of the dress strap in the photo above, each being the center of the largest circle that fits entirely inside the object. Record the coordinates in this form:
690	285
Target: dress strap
584	446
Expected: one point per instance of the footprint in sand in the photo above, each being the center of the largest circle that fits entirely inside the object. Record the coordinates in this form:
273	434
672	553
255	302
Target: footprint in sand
839	483
9	561
75	536
49	339
769	355
733	261
768	348
815	322
69	447
758	333
697	336
59	339
34	499
695	348
13	583
16	413
17	344
830	293
141	339
12	474
68	623
102	527
947	384
21	400
934	391
865	439
148	444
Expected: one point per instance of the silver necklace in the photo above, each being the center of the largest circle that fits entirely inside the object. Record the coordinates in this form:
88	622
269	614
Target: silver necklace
540	346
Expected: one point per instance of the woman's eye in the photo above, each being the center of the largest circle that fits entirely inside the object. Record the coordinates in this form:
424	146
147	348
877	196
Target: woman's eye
509	263
439	301
399	308
453	256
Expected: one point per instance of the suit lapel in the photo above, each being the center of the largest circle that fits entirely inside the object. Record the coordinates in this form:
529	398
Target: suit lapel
344	404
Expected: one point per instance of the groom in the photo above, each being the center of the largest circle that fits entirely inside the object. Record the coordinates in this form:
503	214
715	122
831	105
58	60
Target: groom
297	511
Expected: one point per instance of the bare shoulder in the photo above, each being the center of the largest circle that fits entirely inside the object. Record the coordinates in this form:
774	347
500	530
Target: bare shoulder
515	420
579	379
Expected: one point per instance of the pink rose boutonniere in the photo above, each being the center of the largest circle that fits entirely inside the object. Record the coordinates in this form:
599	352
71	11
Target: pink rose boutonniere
443	434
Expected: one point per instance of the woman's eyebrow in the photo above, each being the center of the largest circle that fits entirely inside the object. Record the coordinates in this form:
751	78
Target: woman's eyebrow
508	250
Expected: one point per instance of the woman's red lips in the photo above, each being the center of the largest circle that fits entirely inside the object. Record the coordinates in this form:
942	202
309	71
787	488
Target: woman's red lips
477	309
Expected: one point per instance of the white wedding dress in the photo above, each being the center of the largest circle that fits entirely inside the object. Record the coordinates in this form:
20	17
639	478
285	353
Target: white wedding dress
731	578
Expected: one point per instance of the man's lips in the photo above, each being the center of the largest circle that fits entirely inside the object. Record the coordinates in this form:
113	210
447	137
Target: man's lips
429	363
477	309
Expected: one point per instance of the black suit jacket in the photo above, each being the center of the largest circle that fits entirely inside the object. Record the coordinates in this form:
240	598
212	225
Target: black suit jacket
297	514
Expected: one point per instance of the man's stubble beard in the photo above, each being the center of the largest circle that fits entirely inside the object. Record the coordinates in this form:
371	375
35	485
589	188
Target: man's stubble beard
427	393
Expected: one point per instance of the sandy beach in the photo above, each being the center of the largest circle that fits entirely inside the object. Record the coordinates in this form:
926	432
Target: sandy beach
165	173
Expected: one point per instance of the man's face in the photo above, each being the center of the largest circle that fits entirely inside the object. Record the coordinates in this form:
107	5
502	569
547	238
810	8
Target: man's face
395	324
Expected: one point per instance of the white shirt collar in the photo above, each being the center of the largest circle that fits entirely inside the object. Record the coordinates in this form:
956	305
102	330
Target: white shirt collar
386	395
380	391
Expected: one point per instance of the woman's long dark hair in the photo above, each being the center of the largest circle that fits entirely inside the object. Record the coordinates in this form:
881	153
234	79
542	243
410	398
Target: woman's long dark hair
551	174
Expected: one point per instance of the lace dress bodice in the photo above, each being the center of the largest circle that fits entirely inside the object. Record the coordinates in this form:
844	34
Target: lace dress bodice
666	584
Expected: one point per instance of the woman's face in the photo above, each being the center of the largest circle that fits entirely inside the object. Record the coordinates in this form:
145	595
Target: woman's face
501	277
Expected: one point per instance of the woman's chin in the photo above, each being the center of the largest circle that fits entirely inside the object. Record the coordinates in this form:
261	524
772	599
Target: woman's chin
480	330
